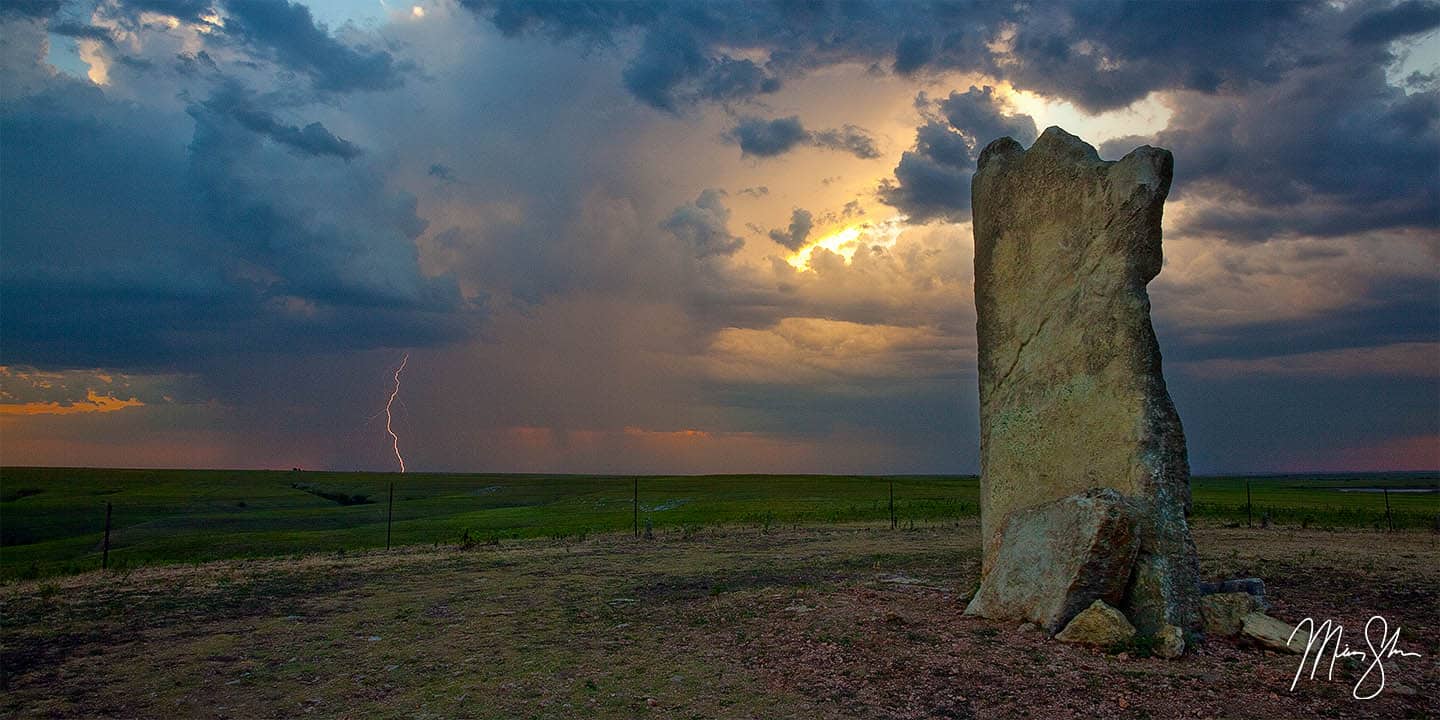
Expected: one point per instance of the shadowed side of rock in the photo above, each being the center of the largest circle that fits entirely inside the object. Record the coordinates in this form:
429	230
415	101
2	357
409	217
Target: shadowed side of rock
1071	392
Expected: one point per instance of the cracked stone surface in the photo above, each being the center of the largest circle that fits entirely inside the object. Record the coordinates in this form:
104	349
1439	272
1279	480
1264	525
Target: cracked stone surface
1071	392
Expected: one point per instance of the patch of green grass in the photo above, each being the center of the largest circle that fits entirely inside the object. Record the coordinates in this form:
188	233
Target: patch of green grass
53	518
1327	501
54	524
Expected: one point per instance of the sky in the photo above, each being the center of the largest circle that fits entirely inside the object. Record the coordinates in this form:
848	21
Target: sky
683	237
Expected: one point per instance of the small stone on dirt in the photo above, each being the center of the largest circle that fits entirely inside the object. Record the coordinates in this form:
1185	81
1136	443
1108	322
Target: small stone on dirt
898	580
1224	613
1170	642
1098	624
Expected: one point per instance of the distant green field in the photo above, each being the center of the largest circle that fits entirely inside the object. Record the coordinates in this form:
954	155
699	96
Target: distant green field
51	519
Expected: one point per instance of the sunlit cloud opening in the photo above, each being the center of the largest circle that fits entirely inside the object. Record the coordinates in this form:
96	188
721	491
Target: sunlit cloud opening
846	241
1144	117
94	59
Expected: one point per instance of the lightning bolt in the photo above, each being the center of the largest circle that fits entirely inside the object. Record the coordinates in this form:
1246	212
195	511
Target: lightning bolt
395	439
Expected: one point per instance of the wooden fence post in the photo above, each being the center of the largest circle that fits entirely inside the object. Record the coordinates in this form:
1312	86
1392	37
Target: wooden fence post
1247	503
892	503
105	551
1389	519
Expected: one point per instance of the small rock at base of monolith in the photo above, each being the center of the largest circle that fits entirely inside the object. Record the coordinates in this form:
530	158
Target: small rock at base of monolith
1170	642
1223	614
1271	634
1254	587
1056	559
1098	624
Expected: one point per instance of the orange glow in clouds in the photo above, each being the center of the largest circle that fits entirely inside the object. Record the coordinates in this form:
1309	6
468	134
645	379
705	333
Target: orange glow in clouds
93	403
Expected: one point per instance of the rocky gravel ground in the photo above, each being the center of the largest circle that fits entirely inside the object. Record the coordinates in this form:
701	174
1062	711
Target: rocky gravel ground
739	622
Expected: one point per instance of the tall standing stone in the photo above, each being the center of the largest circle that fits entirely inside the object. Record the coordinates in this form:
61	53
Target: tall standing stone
1071	394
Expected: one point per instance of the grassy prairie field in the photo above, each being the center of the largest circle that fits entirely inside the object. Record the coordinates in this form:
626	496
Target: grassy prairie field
51	519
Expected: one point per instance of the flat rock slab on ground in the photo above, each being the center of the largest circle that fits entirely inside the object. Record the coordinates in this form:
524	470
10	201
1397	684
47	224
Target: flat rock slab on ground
1272	634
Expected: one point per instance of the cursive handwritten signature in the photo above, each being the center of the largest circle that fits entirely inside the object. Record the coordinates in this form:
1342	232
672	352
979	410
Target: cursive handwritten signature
1321	635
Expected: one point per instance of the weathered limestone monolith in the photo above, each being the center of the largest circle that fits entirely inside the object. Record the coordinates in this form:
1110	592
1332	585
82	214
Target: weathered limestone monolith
1071	395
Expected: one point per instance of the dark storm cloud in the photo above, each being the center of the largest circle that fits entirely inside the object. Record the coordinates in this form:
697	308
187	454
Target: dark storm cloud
768	138
932	180
683	56
1422	81
85	32
1407	18
674	67
1329	150
1248	62
797	35
29	8
850	139
730	79
1398	311
794	237
928	185
132	249
912	53
664	62
313	139
594	19
290	34
672	70
191	10
977	115
193	63
326	231
704	225
1100	55
1106	55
